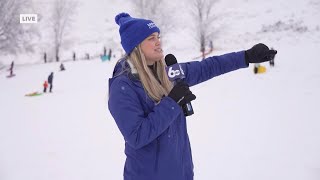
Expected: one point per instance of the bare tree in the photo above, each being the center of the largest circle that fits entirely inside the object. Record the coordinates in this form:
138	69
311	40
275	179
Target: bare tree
156	10
15	37
62	19
202	12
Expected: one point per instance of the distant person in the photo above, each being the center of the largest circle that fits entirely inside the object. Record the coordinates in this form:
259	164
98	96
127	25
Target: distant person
104	51
45	57
74	56
45	86
62	68
271	62
148	108
110	54
211	46
50	80
11	68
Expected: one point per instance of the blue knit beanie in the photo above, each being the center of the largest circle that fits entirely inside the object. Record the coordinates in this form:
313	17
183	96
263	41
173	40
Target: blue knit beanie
133	30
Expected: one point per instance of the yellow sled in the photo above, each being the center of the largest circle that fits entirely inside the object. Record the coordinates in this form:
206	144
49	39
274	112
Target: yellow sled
259	70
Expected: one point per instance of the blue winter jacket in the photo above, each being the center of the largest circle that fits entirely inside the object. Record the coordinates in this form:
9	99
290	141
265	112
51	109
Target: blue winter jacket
156	140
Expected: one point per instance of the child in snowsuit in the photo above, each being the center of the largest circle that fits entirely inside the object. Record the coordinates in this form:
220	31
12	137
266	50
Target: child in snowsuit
45	85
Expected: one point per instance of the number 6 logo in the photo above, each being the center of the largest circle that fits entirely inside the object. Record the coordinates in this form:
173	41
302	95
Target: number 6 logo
172	73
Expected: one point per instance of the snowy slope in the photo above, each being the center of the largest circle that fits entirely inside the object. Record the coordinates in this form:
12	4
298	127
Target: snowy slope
245	126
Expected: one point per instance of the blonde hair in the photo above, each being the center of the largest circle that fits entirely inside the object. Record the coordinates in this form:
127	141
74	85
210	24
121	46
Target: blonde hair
155	89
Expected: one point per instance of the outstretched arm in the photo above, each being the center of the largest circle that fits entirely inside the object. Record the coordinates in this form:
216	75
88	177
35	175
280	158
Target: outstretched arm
200	71
197	72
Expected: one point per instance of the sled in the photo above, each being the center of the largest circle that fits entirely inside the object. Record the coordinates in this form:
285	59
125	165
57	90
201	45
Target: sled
105	58
10	76
260	70
33	94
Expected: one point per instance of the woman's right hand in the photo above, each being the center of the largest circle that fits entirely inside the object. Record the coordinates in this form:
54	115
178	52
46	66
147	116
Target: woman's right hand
181	93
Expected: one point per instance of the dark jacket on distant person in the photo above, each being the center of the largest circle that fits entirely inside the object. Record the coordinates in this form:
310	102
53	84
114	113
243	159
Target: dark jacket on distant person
50	78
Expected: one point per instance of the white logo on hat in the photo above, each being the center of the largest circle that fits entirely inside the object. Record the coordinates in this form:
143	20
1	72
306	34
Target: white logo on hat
151	25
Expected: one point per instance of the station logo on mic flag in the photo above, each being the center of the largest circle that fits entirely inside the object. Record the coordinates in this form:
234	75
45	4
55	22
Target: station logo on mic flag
175	72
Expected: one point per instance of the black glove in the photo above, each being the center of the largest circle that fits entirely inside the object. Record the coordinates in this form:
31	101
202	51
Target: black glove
181	93
259	53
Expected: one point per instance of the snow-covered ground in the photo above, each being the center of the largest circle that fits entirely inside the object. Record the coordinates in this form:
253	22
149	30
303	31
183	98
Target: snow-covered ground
245	126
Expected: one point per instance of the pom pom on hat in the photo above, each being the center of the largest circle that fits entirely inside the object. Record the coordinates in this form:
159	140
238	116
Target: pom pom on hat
134	30
119	16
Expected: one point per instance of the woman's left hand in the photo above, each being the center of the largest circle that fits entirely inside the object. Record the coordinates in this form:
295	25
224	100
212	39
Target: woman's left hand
259	53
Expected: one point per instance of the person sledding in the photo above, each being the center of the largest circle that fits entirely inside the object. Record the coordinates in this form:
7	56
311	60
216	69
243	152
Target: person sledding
62	68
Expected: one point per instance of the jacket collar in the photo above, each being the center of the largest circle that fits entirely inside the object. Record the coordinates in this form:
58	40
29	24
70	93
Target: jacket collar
125	67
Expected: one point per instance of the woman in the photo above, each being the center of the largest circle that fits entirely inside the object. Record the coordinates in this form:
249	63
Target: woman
147	107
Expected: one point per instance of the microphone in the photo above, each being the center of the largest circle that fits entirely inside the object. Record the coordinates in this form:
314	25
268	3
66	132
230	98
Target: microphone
175	74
